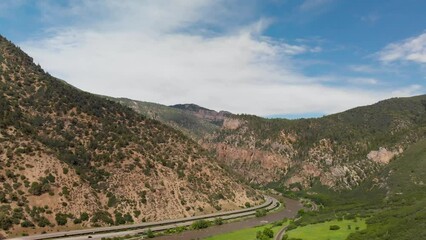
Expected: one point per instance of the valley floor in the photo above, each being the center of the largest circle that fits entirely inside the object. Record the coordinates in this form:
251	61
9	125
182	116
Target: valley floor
290	211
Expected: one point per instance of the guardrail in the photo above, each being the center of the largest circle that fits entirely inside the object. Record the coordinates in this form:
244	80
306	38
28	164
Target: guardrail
266	204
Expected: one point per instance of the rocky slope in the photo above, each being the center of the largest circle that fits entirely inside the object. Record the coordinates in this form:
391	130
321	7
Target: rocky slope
184	117
338	151
72	158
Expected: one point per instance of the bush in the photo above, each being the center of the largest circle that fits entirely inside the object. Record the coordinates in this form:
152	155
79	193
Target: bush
27	223
84	216
102	216
218	221
268	232
5	221
149	233
200	224
61	218
43	222
261	213
334	227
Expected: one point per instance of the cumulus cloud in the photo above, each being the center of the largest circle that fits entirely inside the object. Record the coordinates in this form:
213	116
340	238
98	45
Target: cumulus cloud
411	49
166	52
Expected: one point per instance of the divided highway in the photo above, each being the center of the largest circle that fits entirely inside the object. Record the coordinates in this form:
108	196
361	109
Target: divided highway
123	230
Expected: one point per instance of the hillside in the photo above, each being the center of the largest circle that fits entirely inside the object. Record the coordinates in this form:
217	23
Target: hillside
402	188
338	151
183	119
72	159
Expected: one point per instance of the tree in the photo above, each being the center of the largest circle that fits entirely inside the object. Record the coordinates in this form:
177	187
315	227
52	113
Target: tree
61	218
84	216
5	221
268	232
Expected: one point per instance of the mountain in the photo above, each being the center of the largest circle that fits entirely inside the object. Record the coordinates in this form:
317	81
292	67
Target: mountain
338	151
185	119
211	116
70	159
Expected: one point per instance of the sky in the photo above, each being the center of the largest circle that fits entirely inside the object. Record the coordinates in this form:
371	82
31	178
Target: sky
273	58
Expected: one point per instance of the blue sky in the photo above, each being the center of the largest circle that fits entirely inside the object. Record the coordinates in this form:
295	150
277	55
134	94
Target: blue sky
290	58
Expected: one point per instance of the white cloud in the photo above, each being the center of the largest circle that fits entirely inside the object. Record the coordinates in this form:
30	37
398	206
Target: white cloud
363	81
161	51
411	49
363	68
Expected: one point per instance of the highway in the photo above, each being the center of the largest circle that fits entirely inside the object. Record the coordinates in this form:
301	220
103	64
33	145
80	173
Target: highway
290	211
123	230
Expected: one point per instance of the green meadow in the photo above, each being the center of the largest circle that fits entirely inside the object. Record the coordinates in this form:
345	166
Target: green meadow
246	234
321	231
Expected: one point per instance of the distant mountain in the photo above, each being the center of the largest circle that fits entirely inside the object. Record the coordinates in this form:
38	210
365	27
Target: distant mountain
72	158
211	116
194	122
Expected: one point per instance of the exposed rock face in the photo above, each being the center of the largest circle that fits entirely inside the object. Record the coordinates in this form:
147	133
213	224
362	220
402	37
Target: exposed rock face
254	165
231	123
383	156
204	113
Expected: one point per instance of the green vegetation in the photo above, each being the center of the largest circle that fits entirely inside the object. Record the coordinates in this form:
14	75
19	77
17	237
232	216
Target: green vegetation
61	218
332	230
392	202
261	212
200	224
248	233
266	234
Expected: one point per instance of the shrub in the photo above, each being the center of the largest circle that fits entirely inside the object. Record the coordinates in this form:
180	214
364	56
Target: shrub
84	216
268	232
61	218
5	221
218	221
261	213
334	227
102	216
43	222
27	223
200	224
149	233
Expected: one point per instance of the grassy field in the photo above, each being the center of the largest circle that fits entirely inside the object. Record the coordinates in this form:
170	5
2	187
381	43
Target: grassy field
246	234
321	231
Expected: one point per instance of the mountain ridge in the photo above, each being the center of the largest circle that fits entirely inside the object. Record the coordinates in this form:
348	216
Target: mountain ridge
70	158
297	153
